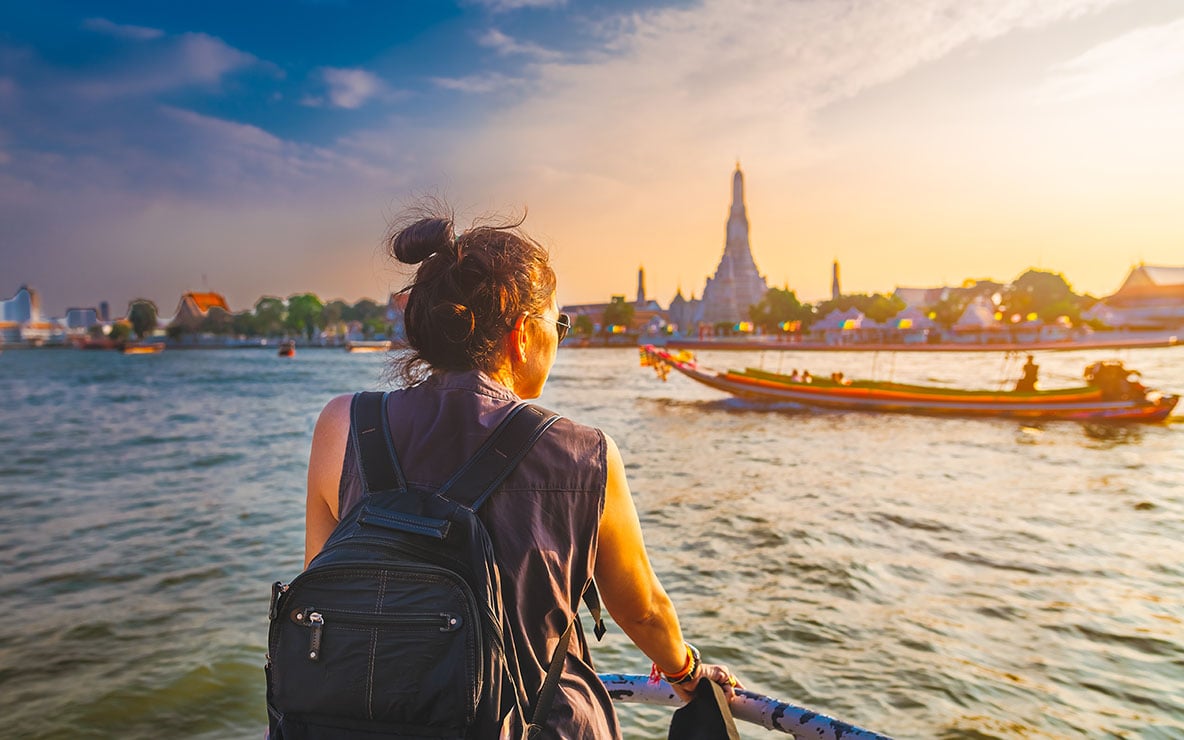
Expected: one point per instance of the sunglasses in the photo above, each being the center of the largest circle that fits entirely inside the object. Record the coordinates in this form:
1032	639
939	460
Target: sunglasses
562	325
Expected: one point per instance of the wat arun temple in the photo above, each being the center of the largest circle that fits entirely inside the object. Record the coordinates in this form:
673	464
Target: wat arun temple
736	285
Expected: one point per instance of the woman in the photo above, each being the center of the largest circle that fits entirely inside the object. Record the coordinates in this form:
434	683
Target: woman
484	328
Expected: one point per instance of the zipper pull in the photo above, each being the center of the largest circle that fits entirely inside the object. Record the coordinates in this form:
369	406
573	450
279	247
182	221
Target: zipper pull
278	589
316	623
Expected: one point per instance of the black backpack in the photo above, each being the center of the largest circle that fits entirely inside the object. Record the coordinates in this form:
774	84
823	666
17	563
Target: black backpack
396	628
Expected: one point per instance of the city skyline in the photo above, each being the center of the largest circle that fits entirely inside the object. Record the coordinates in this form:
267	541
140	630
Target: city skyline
148	150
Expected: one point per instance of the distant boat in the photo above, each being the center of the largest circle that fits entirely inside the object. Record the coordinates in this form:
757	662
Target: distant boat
368	346
287	348
152	348
1111	395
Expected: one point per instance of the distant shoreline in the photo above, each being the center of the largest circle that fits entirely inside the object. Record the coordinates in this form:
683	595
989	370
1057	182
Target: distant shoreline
1141	340
1123	340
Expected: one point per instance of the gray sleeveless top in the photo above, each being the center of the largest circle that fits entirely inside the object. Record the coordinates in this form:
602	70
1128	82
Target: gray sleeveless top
544	523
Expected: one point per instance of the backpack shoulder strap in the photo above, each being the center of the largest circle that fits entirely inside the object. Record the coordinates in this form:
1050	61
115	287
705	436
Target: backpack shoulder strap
498	455
370	427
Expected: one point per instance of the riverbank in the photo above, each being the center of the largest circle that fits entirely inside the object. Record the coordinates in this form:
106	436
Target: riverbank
1108	340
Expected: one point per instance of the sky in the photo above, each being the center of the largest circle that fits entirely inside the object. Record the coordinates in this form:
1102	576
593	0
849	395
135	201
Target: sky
262	148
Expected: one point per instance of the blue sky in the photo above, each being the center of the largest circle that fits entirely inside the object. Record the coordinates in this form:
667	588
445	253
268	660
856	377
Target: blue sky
150	148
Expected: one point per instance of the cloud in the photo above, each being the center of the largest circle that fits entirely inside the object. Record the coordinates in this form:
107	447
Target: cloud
1132	62
504	6
135	33
167	64
350	88
71	133
506	46
480	84
673	84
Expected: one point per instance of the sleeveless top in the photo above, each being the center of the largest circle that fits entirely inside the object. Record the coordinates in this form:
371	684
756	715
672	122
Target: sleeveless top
543	521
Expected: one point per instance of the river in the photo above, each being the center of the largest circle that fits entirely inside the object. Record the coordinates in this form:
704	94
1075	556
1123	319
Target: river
923	577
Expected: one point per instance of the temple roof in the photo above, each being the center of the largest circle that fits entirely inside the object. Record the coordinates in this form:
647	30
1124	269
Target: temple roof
1150	284
1150	275
205	301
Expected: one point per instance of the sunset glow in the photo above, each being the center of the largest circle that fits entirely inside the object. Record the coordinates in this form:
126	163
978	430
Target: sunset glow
151	149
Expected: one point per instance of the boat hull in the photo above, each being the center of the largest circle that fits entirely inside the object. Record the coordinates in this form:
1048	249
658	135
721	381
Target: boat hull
1072	404
373	346
143	349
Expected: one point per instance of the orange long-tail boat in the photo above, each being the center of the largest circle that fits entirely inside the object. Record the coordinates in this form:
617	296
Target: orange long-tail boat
1112	393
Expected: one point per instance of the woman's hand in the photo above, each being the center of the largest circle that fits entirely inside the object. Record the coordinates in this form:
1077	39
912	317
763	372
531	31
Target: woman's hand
718	673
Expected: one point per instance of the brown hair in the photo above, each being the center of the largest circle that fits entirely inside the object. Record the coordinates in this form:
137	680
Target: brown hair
468	291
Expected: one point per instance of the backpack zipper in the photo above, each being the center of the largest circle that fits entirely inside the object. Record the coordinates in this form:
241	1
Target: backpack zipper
285	593
486	612
315	620
278	589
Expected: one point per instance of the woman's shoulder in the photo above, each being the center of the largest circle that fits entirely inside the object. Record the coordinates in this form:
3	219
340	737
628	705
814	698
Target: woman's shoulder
335	414
572	429
571	446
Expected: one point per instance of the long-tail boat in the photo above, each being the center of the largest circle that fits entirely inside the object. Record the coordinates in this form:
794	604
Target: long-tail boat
1111	393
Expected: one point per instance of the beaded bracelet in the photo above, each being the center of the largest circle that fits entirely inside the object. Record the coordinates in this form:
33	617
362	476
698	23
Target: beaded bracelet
686	674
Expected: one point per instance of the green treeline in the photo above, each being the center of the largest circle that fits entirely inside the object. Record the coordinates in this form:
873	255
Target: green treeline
1046	296
301	315
1035	294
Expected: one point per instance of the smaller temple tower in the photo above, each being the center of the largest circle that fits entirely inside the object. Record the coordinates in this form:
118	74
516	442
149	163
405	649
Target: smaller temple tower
834	283
641	284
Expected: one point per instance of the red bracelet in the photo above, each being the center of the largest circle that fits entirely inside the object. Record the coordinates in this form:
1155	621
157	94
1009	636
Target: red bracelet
684	675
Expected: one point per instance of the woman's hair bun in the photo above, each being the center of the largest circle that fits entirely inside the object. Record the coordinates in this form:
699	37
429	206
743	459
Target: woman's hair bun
422	239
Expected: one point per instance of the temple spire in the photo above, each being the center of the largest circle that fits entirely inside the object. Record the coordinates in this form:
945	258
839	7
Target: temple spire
738	193
737	284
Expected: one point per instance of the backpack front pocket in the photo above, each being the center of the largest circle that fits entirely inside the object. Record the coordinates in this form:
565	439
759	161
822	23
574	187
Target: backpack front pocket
406	655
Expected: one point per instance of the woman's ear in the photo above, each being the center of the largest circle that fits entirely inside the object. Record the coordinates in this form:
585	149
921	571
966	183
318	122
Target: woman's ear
518	339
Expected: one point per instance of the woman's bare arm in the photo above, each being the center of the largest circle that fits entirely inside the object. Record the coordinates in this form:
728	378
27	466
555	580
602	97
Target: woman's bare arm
324	475
631	590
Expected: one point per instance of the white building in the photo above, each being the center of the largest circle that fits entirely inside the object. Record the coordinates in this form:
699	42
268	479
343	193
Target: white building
21	321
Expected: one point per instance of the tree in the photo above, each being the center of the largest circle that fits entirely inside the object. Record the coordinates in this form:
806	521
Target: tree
217	321
245	324
1046	294
584	326
371	315
334	316
334	312
142	315
304	314
779	307
269	316
120	331
882	307
618	313
876	307
374	326
366	309
949	309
